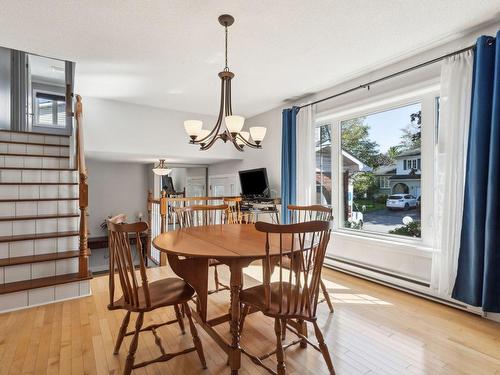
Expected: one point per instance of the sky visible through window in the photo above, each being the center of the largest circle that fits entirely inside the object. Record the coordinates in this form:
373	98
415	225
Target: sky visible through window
385	127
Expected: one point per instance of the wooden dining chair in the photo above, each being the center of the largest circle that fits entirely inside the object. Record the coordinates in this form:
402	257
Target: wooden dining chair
234	213
146	297
295	294
201	215
301	214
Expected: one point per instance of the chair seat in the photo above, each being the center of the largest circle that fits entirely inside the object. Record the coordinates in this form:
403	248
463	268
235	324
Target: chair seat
255	297
165	292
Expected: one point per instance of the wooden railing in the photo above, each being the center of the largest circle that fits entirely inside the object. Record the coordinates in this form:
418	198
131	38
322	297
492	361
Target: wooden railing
161	218
83	264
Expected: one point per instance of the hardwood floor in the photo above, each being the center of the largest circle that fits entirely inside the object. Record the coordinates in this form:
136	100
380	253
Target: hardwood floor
374	330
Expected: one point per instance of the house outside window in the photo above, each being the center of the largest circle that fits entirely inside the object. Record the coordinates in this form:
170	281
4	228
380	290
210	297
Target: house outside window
384	182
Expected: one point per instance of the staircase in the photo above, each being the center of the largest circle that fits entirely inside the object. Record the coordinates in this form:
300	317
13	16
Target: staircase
40	256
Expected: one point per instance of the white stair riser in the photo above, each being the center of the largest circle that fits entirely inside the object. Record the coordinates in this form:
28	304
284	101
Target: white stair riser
28	176
38	247
22	272
27	149
39	296
38	191
38	226
33	138
14	209
33	162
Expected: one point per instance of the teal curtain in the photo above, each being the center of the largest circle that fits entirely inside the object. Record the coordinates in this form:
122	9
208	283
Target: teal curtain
478	275
288	161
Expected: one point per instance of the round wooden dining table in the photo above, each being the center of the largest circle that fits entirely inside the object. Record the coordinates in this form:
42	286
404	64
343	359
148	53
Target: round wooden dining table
236	245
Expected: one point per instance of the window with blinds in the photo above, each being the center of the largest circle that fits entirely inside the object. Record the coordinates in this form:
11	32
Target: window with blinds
50	109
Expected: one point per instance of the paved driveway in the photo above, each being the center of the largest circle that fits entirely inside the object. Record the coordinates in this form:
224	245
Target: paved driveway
385	220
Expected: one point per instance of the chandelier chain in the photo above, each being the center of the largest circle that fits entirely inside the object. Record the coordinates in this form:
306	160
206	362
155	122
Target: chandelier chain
226	68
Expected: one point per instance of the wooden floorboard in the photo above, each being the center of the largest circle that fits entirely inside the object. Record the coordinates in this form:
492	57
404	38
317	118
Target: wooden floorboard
374	330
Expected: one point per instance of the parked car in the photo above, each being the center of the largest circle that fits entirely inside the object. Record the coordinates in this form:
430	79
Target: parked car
401	201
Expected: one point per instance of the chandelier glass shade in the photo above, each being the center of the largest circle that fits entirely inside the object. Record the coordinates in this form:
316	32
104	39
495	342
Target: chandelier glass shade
233	124
161	168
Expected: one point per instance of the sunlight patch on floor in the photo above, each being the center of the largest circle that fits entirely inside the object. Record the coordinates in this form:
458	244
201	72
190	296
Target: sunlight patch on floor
255	272
357	298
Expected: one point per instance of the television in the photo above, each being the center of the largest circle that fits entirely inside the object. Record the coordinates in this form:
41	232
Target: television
254	183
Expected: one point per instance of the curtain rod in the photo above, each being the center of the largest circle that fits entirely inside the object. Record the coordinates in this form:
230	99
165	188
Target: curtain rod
368	84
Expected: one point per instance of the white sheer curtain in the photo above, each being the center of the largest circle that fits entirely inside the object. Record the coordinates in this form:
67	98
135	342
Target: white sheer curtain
306	163
451	152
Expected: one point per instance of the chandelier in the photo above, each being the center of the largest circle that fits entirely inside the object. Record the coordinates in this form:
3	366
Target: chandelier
233	124
161	168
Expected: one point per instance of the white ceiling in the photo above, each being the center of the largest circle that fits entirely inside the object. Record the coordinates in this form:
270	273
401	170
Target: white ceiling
168	53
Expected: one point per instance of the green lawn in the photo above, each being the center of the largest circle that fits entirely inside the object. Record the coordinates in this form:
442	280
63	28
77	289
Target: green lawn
370	205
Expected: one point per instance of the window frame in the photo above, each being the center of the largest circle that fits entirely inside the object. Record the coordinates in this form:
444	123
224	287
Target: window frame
425	94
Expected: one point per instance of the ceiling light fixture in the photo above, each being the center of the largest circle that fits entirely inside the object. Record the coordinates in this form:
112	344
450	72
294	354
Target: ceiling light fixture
161	169
234	124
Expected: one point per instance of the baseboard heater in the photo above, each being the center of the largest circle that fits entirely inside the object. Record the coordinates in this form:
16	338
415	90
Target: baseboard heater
393	285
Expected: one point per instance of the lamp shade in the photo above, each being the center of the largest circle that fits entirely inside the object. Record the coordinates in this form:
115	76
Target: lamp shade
161	169
258	133
239	140
193	127
234	123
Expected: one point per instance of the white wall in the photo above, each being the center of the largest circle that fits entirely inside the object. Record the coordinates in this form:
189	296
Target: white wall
123	131
116	187
196	172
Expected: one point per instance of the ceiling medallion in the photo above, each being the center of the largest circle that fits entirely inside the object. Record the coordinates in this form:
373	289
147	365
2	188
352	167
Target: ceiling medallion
233	124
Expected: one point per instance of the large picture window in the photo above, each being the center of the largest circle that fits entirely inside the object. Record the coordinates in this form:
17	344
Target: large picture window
381	179
375	165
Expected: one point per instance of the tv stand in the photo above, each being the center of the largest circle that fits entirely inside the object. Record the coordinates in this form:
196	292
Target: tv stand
259	206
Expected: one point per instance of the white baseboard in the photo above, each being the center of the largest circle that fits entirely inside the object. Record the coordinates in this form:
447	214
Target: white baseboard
407	286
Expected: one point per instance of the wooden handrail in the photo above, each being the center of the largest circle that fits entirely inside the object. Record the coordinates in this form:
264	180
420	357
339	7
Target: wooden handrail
83	264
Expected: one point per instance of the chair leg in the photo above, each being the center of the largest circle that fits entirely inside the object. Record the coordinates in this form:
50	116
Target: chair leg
178	315
196	339
280	353
122	332
216	279
283	330
327	295
303	332
129	364
324	348
244	313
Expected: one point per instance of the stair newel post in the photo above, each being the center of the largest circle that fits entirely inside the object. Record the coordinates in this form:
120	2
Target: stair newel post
150	221
83	264
163	227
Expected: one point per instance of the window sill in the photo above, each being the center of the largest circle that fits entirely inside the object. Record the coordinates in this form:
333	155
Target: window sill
393	243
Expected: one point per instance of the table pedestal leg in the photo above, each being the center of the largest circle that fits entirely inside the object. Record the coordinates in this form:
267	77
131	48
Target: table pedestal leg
235	287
